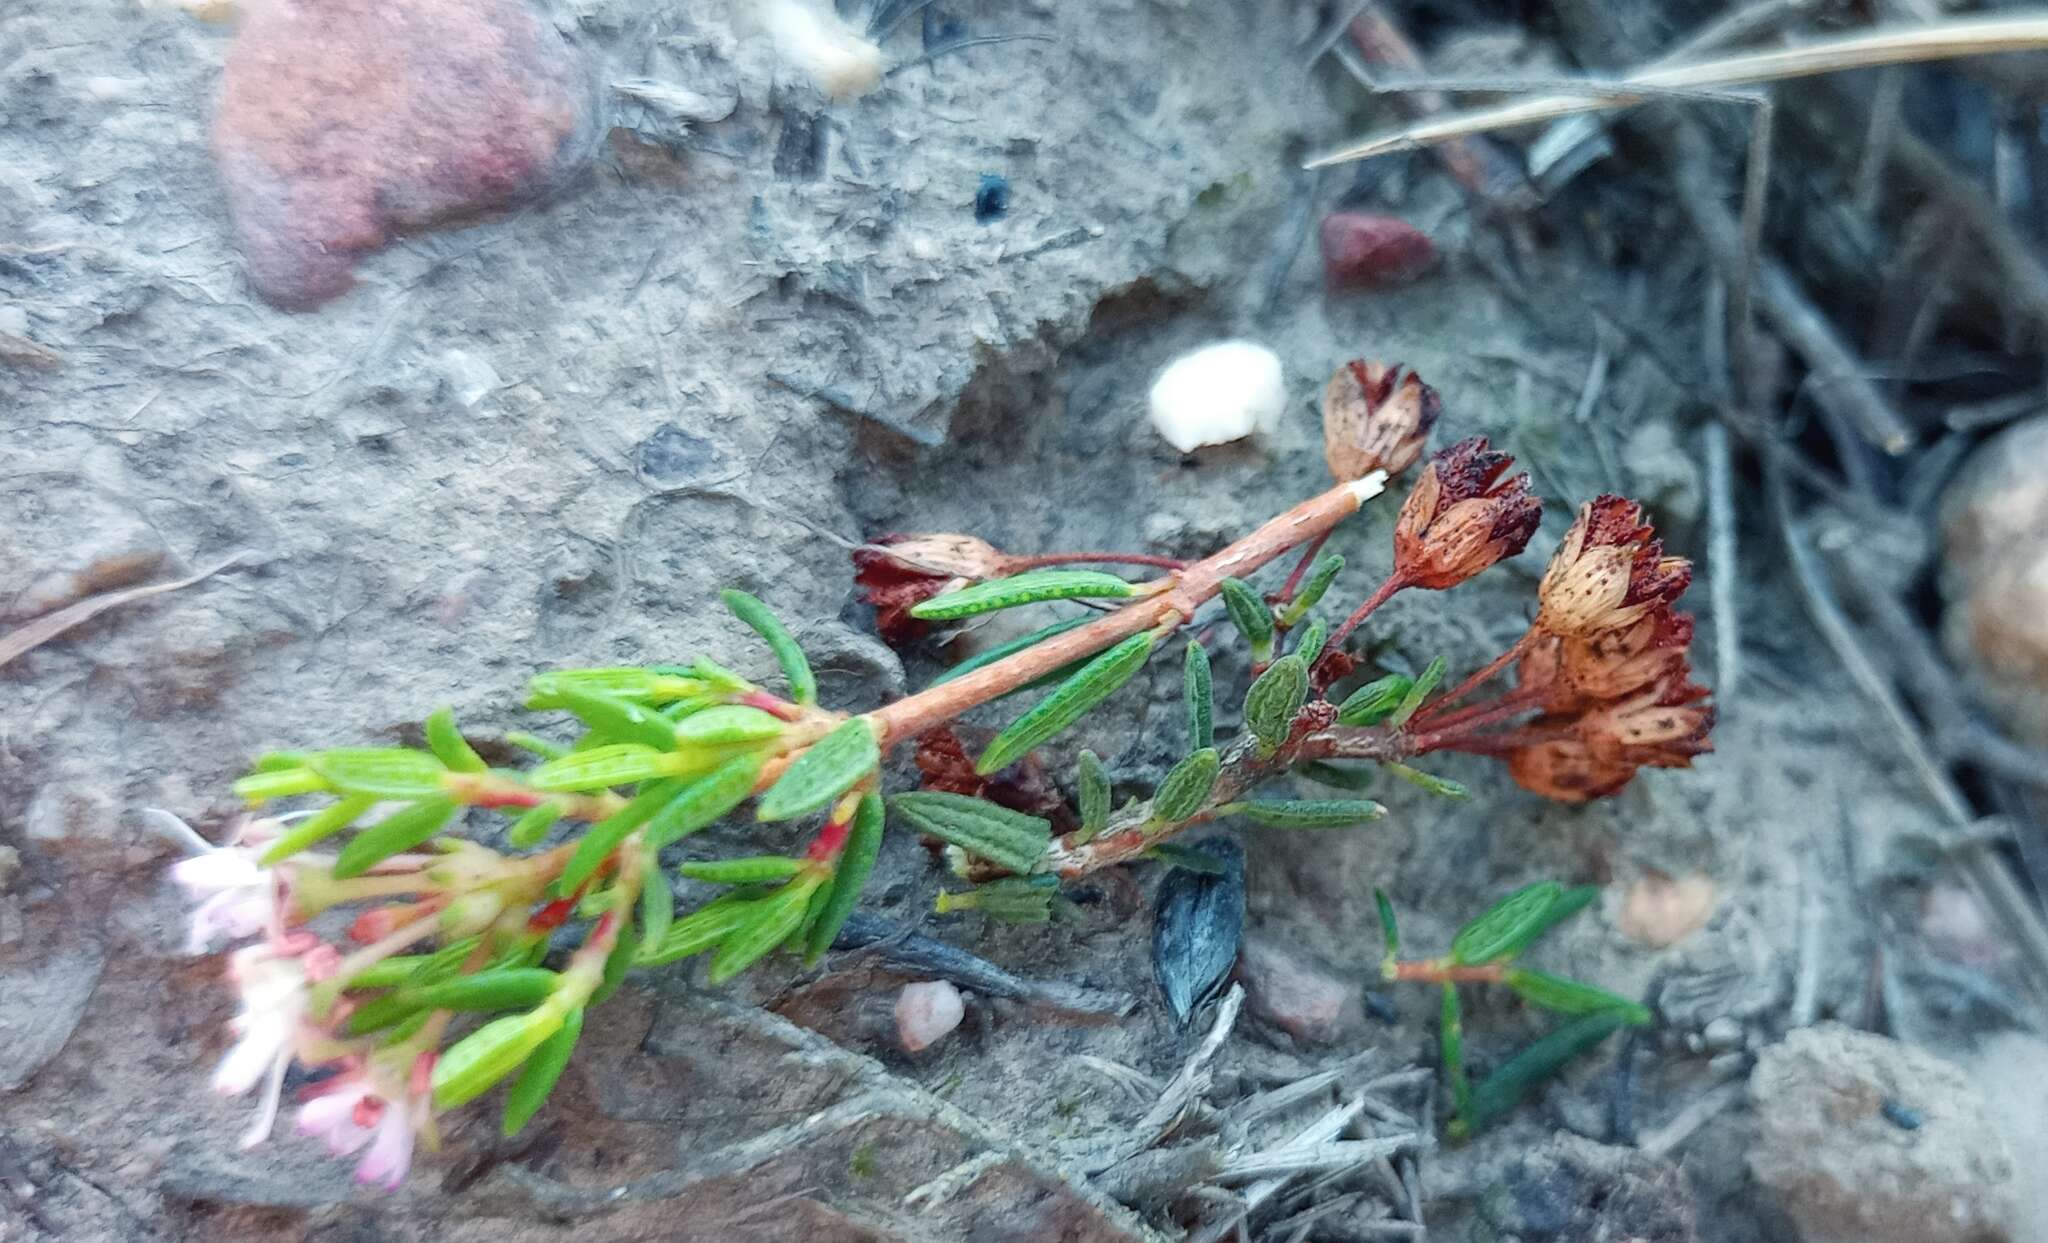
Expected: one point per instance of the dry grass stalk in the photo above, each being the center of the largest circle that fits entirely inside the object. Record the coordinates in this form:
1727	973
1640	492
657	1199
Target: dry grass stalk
1907	45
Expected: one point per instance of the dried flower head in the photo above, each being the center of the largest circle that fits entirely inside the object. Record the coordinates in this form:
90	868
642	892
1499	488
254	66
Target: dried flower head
897	572
1622	661
1461	518
1610	571
1663	726
1567	770
1376	417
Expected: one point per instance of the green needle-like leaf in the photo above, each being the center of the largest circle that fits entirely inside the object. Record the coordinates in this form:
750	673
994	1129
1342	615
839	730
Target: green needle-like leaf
1187	858
657	900
617	764
1337	776
1499	1091
1375	701
629	682
1442	787
512	989
1426	682
704	800
381	772
1554	992
1270	705
1389	929
1200	697
538	1077
1183	790
1310	646
851	875
1093	796
1069	702
445	740
1451	1032
701	929
768	925
726	724
534	744
394	834
604	837
1008	838
796	669
1012	899
533	824
1332	813
1252	616
1320	576
1033	587
829	768
620	720
468	1068
1511	924
318	827
1014	646
753	870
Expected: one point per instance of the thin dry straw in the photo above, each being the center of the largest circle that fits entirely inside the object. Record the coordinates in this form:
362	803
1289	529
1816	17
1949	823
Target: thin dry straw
1944	41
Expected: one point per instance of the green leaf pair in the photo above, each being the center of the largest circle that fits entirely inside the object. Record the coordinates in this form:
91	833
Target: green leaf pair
1011	900
1009	839
1512	924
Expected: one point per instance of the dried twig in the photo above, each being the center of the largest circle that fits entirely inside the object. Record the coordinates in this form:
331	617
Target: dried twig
1299	1158
1323	1129
1190	1084
1842	385
1977	860
1721	555
1666	1139
1904	45
26	639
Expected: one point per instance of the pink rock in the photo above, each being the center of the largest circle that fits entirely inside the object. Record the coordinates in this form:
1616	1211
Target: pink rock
1361	249
343	122
925	1013
1293	994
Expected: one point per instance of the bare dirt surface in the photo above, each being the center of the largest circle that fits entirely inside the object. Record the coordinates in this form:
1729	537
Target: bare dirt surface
549	437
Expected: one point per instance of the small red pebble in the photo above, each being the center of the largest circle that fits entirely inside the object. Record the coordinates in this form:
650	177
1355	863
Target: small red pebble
345	122
1364	250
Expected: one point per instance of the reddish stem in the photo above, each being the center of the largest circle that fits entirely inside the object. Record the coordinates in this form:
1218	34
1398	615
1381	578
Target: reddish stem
1466	687
1497	744
1487	712
1040	560
770	704
1436	971
1308	557
830	841
1383	593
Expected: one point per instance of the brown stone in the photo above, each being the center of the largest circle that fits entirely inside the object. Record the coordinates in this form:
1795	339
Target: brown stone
1995	573
344	122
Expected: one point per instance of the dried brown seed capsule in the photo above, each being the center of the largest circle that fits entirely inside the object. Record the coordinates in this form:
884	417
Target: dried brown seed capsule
1567	770
1376	417
897	572
1461	518
1608	572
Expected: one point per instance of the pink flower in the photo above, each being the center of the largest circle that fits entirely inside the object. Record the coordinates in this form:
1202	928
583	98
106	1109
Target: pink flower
237	896
355	1110
272	988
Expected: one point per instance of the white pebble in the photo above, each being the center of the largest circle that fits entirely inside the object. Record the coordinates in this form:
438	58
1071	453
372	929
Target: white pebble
1218	394
925	1013
811	37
